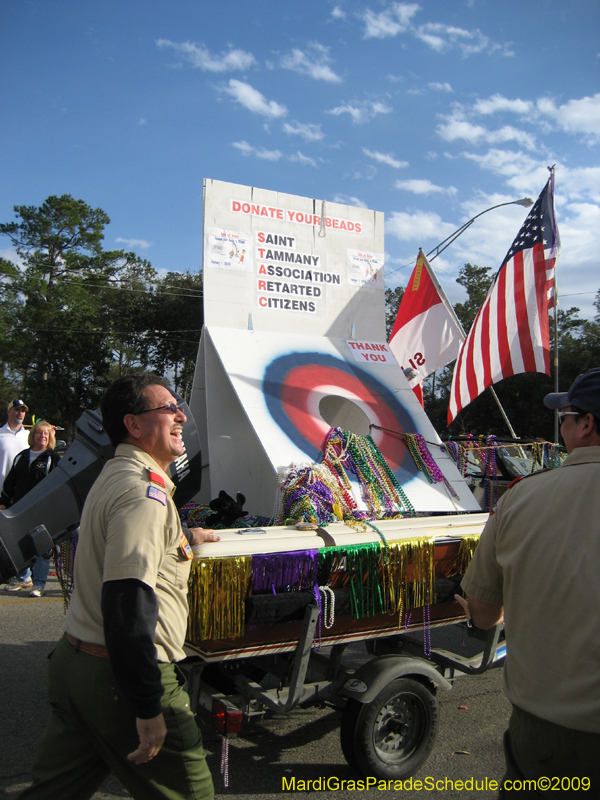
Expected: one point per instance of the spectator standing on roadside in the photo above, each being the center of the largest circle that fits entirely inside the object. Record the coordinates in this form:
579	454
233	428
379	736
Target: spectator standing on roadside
537	562
13	439
28	469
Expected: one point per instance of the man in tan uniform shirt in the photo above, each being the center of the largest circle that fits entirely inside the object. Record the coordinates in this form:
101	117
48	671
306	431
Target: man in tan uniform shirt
538	562
115	692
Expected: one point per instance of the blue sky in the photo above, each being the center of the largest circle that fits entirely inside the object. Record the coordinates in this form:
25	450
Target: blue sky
429	112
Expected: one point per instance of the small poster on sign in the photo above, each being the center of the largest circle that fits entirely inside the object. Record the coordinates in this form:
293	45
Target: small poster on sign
371	352
229	250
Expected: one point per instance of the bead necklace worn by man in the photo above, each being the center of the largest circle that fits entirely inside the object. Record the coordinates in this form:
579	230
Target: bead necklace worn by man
538	562
115	691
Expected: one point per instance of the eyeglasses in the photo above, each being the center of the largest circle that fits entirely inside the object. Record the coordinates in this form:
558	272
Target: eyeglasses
562	414
172	407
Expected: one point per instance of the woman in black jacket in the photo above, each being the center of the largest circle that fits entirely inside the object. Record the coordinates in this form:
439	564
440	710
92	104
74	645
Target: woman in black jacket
28	469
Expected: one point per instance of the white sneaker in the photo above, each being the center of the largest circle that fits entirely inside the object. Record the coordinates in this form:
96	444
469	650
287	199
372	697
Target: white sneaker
37	592
18	585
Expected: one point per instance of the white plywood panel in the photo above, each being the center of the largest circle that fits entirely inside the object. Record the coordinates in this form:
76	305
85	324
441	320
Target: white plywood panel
265	256
281	381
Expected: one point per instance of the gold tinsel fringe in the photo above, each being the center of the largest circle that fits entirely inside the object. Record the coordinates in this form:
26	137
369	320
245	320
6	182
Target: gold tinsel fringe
468	545
217	590
418	553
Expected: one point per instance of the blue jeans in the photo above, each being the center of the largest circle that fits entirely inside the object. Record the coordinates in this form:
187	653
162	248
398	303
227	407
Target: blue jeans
39	573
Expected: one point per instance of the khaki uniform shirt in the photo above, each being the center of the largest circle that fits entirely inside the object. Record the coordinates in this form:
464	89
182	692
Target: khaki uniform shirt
130	528
539	556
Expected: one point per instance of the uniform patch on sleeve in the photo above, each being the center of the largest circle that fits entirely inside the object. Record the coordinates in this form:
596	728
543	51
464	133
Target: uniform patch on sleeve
156	478
157	494
185	547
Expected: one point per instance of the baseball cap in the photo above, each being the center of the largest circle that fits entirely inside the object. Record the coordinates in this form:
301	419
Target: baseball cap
17	404
583	394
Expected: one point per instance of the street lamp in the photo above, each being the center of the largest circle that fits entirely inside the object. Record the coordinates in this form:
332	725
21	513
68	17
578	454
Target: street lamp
524	201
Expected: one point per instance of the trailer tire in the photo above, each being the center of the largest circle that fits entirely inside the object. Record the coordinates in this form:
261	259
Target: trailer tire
392	736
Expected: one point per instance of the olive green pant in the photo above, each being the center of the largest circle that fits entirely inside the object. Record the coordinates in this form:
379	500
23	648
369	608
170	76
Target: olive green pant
92	729
535	748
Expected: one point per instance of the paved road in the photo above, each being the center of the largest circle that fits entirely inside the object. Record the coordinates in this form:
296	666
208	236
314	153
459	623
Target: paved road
304	745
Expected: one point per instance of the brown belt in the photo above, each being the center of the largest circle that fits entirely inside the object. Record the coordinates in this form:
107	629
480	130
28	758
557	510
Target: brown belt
88	647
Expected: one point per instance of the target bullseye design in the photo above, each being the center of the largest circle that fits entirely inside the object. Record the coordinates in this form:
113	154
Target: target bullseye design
295	384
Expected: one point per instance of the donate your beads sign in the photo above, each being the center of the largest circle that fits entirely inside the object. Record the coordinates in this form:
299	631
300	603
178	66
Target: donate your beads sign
282	263
294	345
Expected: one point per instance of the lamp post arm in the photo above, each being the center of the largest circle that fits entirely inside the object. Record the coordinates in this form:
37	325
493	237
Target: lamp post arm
448	241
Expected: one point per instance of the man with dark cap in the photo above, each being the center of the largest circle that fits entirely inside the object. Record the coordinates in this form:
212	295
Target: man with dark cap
538	563
13	437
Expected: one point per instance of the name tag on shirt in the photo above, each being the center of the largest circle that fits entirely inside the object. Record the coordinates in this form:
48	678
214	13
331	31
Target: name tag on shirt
157	494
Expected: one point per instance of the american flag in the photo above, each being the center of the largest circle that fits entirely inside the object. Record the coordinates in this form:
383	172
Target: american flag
511	331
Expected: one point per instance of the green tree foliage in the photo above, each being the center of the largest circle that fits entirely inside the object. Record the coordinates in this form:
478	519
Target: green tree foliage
476	280
74	315
177	334
393	298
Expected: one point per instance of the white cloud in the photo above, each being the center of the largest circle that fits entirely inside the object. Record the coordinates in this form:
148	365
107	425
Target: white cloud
348	200
200	57
498	103
457	127
338	13
266	155
442	37
385	158
142	121
361	112
440	87
417	226
302	159
308	131
575	116
394	20
315	63
253	100
142	244
424	186
13	257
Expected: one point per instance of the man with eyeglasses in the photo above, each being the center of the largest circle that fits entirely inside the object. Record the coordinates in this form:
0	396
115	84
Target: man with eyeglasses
116	698
538	563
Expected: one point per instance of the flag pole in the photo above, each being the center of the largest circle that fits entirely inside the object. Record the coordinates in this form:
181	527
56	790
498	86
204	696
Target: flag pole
446	302
556	425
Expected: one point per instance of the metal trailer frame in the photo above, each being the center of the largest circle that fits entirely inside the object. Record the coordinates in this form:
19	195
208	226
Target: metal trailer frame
390	717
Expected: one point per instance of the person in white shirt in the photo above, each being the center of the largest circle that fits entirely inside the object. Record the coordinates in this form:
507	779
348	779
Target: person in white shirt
13	439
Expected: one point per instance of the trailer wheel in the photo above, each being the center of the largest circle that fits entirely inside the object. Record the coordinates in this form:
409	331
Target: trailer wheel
391	736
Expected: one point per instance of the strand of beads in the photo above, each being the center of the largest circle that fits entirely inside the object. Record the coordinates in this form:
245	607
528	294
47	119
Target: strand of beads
458	454
425	462
490	474
360	455
427	631
328	606
225	761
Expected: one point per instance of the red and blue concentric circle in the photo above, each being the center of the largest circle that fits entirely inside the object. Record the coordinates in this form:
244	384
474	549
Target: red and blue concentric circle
294	384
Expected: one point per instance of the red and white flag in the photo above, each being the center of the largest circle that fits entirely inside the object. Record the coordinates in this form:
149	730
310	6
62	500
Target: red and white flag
511	333
427	334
